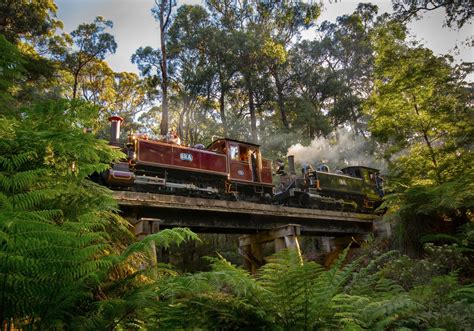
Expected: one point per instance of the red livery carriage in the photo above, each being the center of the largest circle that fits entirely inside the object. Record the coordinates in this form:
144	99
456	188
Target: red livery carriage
225	167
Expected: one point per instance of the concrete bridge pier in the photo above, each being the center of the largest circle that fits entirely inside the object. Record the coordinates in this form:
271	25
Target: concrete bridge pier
251	245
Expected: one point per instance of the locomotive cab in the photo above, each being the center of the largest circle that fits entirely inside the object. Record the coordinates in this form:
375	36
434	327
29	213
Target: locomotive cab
353	188
249	173
370	177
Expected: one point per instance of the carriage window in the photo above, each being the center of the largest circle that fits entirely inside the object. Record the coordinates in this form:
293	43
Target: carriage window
218	147
372	177
234	152
357	173
244	153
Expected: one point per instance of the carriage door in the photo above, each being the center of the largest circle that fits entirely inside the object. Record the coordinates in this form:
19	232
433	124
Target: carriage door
255	164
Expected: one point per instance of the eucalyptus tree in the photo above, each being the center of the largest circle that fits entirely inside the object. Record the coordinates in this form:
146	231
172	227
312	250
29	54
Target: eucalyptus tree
131	98
421	115
284	22
348	53
313	85
12	68
33	25
90	43
458	12
162	13
119	93
261	31
96	84
191	74
153	63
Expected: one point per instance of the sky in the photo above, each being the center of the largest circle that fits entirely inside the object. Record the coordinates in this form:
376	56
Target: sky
135	27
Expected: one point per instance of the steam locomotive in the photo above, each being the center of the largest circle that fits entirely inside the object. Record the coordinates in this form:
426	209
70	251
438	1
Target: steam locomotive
232	169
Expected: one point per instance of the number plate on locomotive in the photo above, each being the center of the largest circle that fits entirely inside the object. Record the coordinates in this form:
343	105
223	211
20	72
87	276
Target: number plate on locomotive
186	157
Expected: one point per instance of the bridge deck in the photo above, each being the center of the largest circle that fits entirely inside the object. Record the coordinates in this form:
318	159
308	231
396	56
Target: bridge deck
207	215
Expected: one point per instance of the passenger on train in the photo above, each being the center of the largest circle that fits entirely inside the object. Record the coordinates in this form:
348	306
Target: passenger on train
199	146
307	168
280	167
322	167
173	138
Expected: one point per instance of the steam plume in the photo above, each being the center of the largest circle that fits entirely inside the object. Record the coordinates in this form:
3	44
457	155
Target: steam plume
341	149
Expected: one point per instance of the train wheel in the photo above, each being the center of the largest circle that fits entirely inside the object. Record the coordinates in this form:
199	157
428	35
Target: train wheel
267	198
304	200
316	205
234	196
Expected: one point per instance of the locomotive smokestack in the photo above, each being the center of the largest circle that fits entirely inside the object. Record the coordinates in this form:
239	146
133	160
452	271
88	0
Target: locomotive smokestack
291	164
115	122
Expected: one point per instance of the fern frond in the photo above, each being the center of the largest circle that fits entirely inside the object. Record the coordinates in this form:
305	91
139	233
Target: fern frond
32	199
15	161
368	280
5	202
21	180
232	279
164	239
289	299
381	315
466	293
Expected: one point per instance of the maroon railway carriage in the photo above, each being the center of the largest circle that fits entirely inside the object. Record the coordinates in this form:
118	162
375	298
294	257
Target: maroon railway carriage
227	167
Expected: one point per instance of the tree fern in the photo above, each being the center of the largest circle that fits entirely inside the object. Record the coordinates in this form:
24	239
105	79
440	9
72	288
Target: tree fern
52	222
289	300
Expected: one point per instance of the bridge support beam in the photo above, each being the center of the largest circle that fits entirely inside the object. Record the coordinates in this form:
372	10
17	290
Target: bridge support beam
339	244
142	228
251	245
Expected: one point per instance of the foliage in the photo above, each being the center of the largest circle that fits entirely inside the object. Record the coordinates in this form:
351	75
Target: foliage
27	19
419	109
52	220
91	43
448	305
420	114
458	12
57	227
423	210
287	293
437	261
12	68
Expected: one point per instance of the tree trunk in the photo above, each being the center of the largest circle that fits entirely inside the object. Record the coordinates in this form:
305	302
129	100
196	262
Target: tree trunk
281	101
222	109
311	132
428	144
253	117
181	119
164	71
76	83
188	136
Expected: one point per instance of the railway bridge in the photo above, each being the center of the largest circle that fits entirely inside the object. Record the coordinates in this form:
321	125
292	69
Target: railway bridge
258	223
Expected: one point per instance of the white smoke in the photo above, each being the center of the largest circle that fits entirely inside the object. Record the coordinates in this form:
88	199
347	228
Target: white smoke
341	149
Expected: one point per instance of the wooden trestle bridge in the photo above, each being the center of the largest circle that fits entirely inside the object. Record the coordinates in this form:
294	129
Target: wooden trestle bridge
258	223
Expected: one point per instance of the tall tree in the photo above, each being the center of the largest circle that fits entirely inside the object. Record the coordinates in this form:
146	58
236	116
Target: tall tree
262	31
162	13
91	43
12	69
348	53
187	53
284	22
420	108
